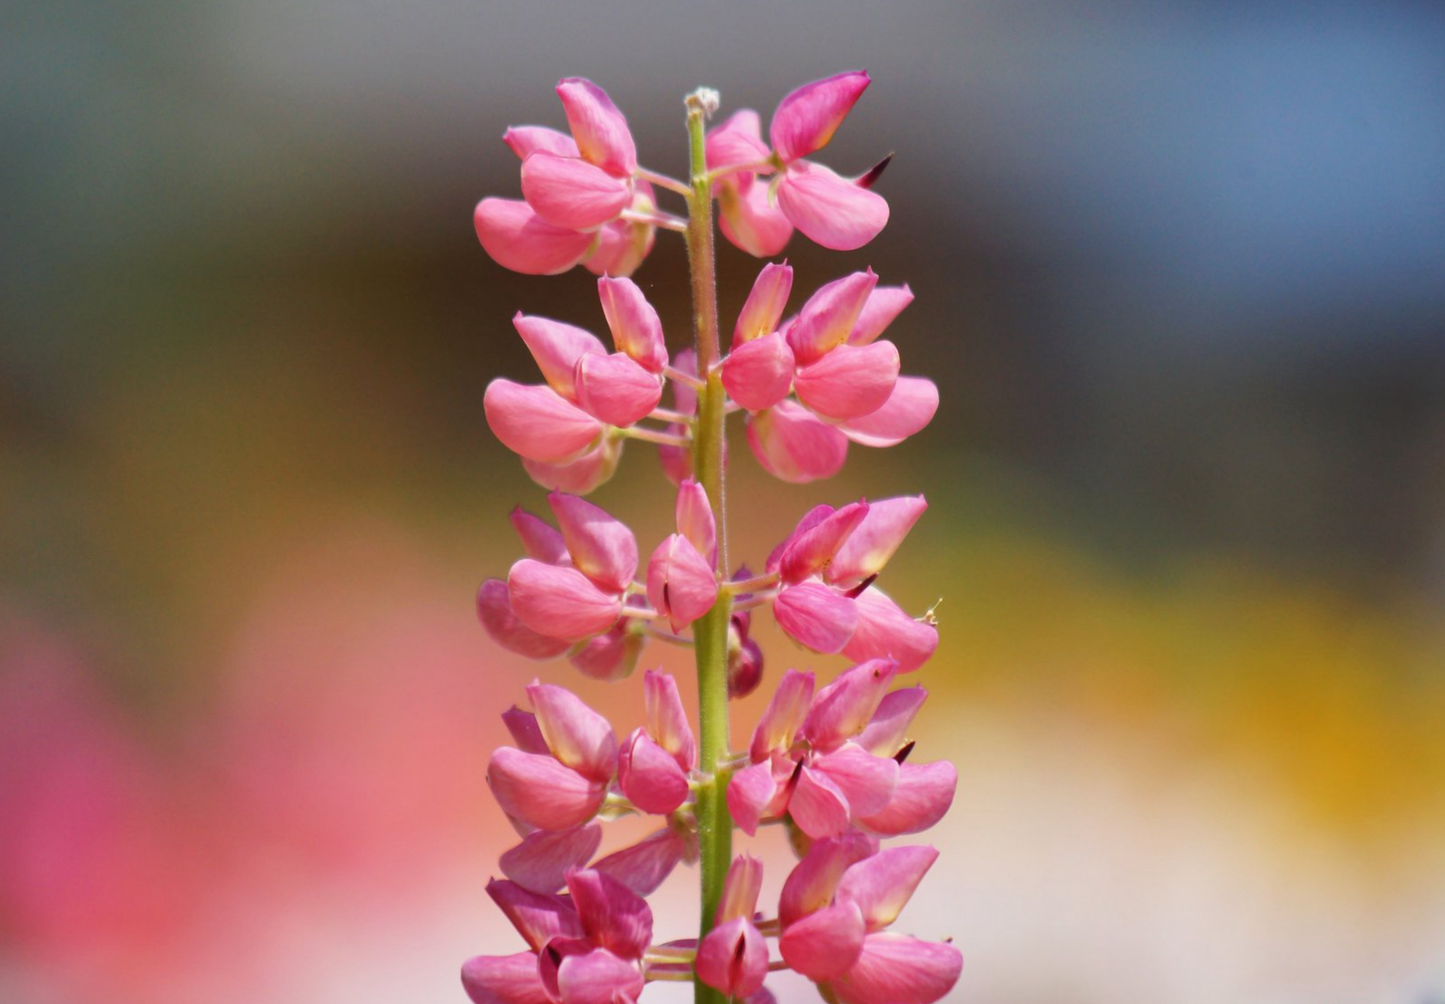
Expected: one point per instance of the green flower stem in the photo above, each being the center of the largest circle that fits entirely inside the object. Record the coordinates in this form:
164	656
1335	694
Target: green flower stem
710	633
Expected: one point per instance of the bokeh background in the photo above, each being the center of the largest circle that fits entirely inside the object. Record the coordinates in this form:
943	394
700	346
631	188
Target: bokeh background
1181	277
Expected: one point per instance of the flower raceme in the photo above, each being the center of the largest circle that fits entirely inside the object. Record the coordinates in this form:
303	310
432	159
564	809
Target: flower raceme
828	761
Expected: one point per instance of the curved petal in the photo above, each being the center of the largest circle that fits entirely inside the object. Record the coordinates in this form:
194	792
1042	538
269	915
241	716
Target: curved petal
897	969
850	380
922	797
621	246
518	239
908	409
845	706
741	886
794	445
537	422
815	616
598	977
577	736
765	303
884	304
528	139
867	780
748	795
538	917
783	716
666	718
829	315
759	373
887	731
681	585
646	864
539	538
738	141
649	775
830	210
733	958
813	881
611	656
599	128
810	551
494	609
614	916
569	192
561	600
557	347
870	546
819	806
615	389
885	631
824	945
541	861
751	221
633	321
504	979
525	732
581	474
542	792
601	545
693	515
882	884
806	119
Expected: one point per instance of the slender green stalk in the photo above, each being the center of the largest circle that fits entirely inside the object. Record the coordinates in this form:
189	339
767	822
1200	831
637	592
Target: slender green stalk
710	633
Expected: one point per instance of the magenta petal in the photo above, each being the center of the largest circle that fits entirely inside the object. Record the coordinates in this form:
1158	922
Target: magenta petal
540	539
815	616
733	958
621	245
504	979
866	780
818	806
876	539
887	731
524	730
810	551
908	409
745	667
783	716
830	210
806	119
598	127
829	315
882	884
666	719
599	977
923	796
561	600
738	141
538	917
615	389
740	890
541	861
748	794
681	585
810	519
636	329
577	736
884	630
646	864
897	969
751	222
518	239
557	347
884	304
842	708
824	944
542	792
528	139
649	775
813	881
759	373
765	303
614	916
601	545
537	422
850	381
793	445
695	521
611	656
582	473
570	192
494	609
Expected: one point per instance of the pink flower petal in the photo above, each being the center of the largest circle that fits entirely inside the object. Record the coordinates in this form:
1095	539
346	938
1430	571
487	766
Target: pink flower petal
784	715
733	958
814	616
818	806
494	609
542	792
615	389
876	539
557	347
813	881
824	944
524	730
577	736
569	192
884	304
740	890
908	409
748	795
759	373
751	221
884	630
528	139
738	141
897	969
611	656
636	329
850	381
810	551
881	885
539	538
598	127
694	518
829	315
806	119
537	422
541	861
621	245
866	780
830	210
646	864
518	239
601	546
681	584
649	775
810	519
504	979
745	667
887	731
599	977
842	708
581	474
666	718
765	303
923	796
793	445
561	600
614	916
538	917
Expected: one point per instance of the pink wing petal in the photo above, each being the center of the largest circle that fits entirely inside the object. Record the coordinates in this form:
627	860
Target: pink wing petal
666	718
577	736
649	775
542	792
611	656
759	373
765	303
740	890
733	958
815	616
824	945
830	210
528	139
866	780
810	551
518	239
561	600
793	445
829	315
818	806
525	732
784	715
636	328
580	474
598	977
598	127
539	539
842	708
738	141
537	422
887	731
908	409
813	881
850	381
884	304
885	630
557	347
538	917
882	884
601	546
897	969
681	584
620	246
751	222
923	796
615	389
694	518
541	861
876	539
748	794
646	864
494	609
614	916
504	979
806	119
569	192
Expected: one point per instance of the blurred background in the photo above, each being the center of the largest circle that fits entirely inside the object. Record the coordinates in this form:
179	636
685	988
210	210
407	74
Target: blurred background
1181	278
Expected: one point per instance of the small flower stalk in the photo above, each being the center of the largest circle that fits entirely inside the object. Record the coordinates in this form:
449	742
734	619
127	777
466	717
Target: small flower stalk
830	758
